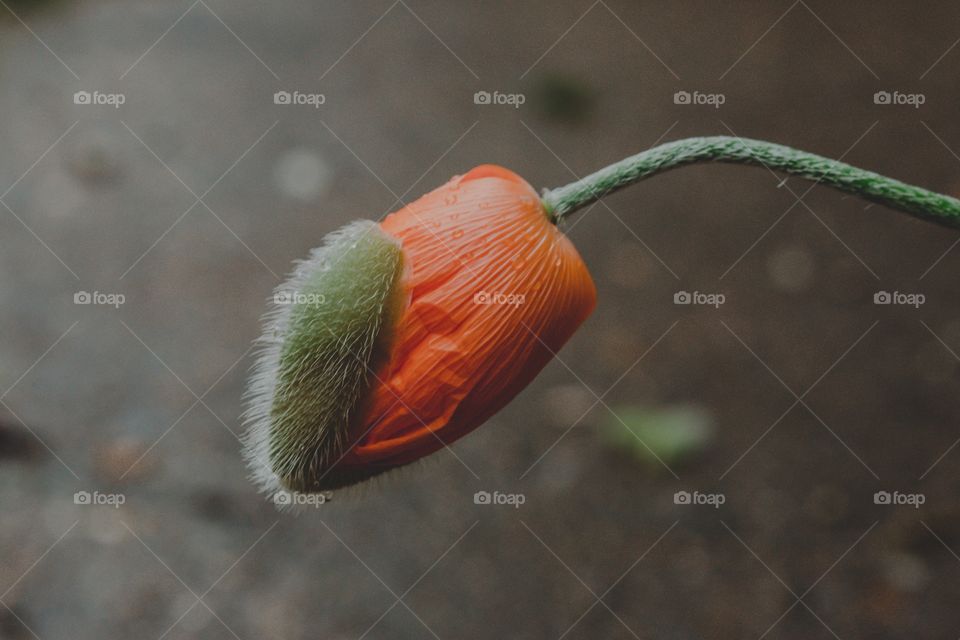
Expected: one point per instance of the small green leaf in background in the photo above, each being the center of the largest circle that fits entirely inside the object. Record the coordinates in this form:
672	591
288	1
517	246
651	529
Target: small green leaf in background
674	433
564	98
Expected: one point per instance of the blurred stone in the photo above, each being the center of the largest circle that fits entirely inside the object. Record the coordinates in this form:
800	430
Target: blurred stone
56	194
13	621
561	470
564	404
934	363
58	513
302	175
103	525
906	572
790	269
123	459
693	565
190	615
628	265
93	156
617	347
951	332
827	503
220	506
770	506
16	443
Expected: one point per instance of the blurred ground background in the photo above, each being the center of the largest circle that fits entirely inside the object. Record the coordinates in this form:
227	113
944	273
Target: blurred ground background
144	400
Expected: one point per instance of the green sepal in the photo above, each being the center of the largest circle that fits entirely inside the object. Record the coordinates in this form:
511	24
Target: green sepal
329	333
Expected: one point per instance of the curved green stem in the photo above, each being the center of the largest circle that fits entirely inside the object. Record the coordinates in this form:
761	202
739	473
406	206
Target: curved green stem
917	201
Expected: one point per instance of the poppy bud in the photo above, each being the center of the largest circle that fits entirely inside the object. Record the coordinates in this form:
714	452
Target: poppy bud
393	340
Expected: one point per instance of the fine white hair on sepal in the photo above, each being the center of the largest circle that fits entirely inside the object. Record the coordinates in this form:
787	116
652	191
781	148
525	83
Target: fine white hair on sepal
323	337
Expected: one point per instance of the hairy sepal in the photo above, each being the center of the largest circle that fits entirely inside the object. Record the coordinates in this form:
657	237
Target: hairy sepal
329	330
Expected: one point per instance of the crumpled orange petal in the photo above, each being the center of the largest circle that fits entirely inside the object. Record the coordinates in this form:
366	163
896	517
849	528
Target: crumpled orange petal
495	290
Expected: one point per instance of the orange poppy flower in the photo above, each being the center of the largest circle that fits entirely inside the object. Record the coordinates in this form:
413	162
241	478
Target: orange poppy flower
393	340
448	309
